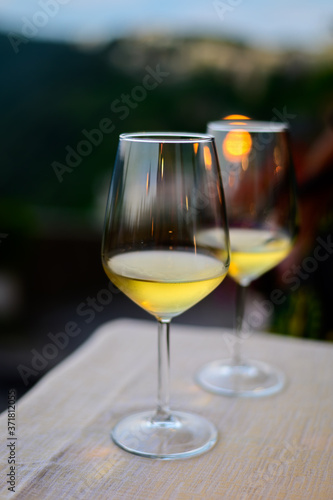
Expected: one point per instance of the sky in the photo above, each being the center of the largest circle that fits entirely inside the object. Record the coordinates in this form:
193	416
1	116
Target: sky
302	24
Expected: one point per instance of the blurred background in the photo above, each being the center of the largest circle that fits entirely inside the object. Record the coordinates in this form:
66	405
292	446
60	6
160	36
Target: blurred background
74	75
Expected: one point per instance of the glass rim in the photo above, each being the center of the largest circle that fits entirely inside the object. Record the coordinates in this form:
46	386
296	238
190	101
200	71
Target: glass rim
248	125
161	137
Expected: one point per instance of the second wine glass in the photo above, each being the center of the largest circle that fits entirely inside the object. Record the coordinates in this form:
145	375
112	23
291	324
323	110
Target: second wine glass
259	185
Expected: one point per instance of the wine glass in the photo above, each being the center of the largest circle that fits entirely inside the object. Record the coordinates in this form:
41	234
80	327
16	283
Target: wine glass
165	189
259	186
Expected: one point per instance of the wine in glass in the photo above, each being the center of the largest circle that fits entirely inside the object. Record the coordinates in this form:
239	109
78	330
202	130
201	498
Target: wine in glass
165	189
259	186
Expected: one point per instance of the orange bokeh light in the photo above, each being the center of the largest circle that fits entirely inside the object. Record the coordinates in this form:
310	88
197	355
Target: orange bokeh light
237	143
207	158
236	117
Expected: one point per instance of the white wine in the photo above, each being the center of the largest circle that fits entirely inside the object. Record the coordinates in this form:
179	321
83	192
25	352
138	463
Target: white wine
165	283
254	252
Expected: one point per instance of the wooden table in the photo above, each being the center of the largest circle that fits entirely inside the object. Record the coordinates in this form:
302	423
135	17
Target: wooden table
278	447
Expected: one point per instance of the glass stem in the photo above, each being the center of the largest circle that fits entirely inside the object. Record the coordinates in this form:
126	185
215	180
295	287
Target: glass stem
240	304
163	411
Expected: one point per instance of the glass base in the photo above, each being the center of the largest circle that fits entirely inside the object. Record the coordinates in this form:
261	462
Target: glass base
181	435
249	379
